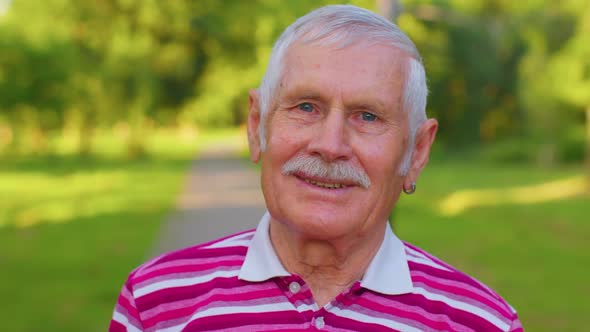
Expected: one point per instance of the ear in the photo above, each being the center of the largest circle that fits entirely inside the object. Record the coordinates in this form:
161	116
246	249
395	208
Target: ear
253	125
422	144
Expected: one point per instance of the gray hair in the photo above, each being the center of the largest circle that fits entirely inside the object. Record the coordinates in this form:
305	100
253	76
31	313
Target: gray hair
341	26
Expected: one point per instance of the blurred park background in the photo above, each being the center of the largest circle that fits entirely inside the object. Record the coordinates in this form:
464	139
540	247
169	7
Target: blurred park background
104	103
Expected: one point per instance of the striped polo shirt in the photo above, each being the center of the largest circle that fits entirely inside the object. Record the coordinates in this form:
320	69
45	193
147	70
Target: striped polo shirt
239	284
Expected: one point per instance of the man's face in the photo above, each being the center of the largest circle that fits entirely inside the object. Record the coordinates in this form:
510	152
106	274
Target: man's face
337	106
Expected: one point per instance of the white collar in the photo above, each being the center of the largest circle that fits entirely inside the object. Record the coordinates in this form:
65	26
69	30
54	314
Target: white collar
388	273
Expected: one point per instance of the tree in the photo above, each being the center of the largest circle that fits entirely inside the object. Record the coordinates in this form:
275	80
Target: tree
569	68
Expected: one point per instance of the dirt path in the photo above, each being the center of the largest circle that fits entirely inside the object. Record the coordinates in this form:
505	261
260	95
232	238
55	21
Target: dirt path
222	196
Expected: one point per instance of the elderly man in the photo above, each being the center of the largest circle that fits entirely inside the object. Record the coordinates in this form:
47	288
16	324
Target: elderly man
339	127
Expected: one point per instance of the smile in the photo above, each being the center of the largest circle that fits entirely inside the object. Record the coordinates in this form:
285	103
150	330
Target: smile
325	185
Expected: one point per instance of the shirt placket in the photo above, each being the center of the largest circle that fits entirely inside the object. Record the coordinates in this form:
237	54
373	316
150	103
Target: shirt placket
344	300
300	296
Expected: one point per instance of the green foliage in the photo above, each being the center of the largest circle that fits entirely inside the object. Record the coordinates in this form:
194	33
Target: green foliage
571	147
497	69
471	54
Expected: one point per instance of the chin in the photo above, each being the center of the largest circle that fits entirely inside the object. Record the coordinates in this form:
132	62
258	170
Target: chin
321	226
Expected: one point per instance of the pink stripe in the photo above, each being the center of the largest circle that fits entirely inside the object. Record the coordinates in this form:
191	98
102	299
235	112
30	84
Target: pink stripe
212	301
267	288
496	311
180	276
126	307
429	256
186	270
198	251
206	244
420	260
465	300
383	308
451	275
498	304
516	326
455	314
171	294
231	321
516	329
462	294
354	325
266	327
138	277
117	327
472	281
129	313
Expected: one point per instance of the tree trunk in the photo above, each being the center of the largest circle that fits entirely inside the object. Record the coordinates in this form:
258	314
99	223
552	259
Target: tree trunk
137	120
86	133
588	148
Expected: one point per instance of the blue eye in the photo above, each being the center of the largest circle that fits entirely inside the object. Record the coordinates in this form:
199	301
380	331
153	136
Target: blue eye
366	116
305	107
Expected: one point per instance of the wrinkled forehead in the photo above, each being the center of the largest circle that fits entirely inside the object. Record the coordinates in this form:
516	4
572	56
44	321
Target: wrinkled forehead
366	63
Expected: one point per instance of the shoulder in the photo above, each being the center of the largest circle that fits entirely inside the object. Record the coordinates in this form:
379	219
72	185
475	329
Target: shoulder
192	265
437	281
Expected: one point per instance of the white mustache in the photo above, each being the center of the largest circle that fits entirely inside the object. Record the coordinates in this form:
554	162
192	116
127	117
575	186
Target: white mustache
338	171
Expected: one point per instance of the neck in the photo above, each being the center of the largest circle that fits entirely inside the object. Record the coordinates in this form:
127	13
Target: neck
328	266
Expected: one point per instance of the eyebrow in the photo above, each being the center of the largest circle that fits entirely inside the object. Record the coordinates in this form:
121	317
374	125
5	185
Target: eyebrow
302	92
375	105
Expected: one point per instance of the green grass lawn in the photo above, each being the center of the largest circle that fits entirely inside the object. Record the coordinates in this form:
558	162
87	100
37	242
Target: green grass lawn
70	233
537	256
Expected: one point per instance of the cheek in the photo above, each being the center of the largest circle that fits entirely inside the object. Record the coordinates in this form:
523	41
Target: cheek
280	149
287	139
381	162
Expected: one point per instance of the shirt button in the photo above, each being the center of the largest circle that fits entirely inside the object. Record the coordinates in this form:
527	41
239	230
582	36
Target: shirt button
294	287
319	323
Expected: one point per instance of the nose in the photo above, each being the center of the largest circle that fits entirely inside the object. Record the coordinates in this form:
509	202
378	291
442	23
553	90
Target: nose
331	140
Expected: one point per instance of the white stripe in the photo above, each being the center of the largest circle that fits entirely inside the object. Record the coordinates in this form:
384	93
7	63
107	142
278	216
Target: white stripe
232	239
304	307
215	311
346	313
416	253
420	258
180	282
119	317
427	262
463	306
240	236
226	243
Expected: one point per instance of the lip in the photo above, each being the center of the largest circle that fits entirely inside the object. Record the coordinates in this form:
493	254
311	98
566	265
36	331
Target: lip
325	191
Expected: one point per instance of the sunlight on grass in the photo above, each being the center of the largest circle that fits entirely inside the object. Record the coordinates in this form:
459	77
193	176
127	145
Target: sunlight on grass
36	198
459	201
50	194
